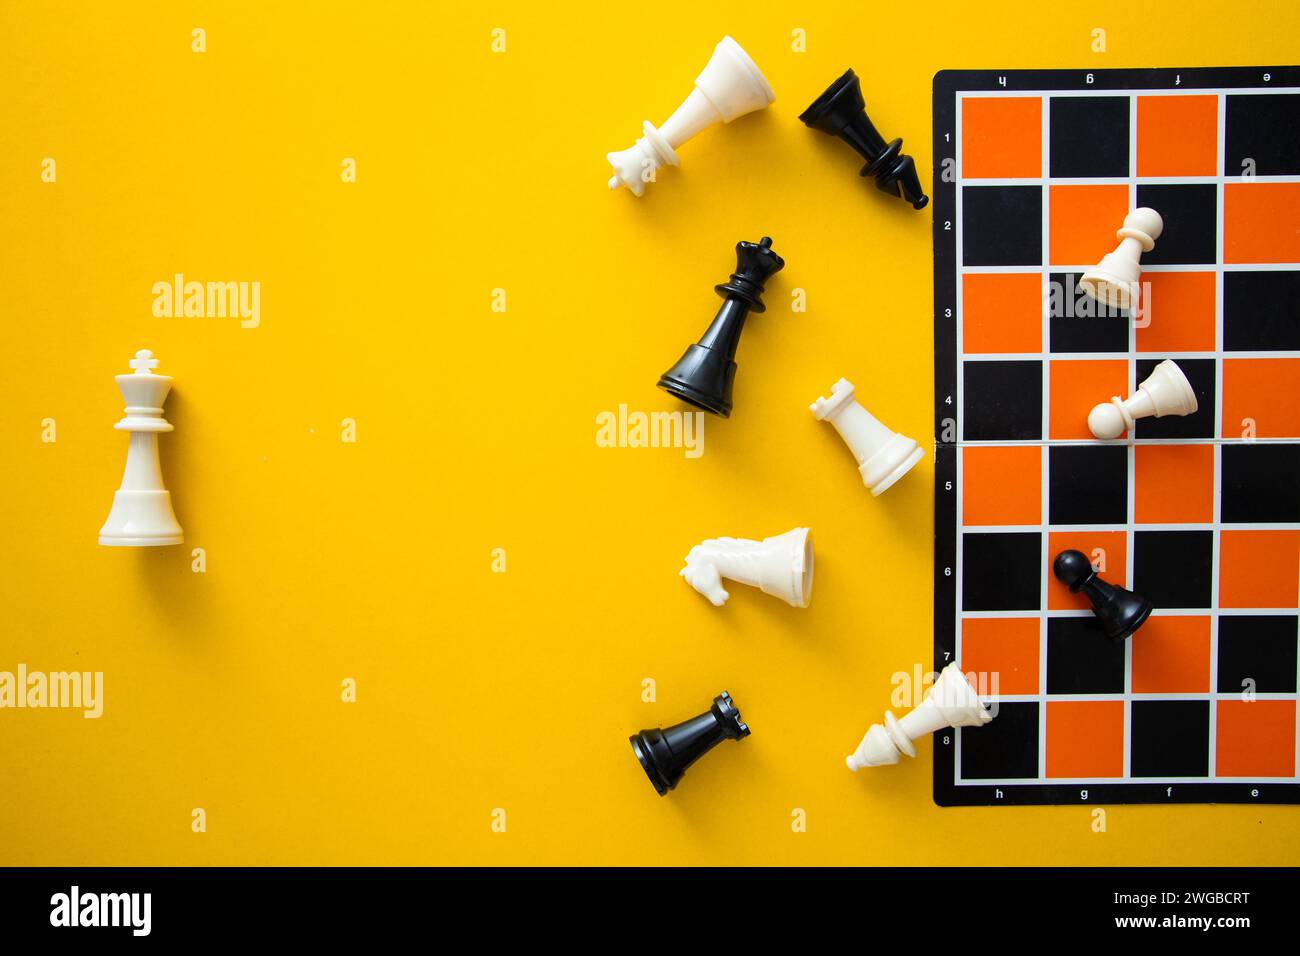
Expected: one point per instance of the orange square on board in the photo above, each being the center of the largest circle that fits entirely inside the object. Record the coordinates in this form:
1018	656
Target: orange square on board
1177	312
1173	656
1082	221
1001	485
1085	738
1109	549
1173	484
1177	135
1262	392
1261	222
1254	738
1002	312
1005	646
1002	137
1259	568
1075	387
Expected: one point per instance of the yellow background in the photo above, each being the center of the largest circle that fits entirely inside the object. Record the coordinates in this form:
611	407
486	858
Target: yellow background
476	430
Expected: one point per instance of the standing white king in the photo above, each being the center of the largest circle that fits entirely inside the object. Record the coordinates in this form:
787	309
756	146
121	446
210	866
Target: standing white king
142	508
883	455
952	702
730	86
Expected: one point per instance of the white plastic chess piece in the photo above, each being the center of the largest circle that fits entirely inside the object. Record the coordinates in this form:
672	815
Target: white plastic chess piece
730	86
883	456
1114	281
952	702
1166	391
781	566
142	508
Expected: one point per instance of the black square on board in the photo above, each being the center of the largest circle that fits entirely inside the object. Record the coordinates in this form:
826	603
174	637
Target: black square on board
1190	214
1199	424
1171	569
1081	659
1002	225
1259	311
1263	129
1001	572
1170	738
1007	748
1259	482
1076	326
1087	484
1259	648
1089	136
1003	401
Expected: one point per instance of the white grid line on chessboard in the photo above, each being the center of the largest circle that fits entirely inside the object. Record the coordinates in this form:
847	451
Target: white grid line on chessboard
1045	554
1132	353
1098	443
1130	459
1170	267
1026	613
1150	91
1220	179
957	413
1216	547
1113	698
1046	268
1115	527
1086	782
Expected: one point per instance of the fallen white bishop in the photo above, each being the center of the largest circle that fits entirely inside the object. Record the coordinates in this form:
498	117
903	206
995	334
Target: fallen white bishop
730	86
951	702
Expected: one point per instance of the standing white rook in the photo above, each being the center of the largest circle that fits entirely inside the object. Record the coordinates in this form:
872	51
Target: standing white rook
883	456
952	702
730	86
1114	281
781	566
1166	391
142	508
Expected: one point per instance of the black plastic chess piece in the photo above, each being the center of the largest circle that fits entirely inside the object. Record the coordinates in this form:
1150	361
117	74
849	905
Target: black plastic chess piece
841	111
704	375
1120	611
665	754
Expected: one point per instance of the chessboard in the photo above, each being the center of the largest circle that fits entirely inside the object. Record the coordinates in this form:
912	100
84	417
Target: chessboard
1034	172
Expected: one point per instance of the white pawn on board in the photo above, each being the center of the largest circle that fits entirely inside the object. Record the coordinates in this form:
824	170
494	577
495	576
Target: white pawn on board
730	86
952	702
1114	280
884	456
781	566
142	508
1166	391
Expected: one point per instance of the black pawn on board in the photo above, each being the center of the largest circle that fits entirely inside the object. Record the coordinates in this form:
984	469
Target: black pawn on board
1120	611
665	754
841	111
704	375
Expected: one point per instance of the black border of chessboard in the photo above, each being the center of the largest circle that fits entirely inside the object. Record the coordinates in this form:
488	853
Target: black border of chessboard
947	83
